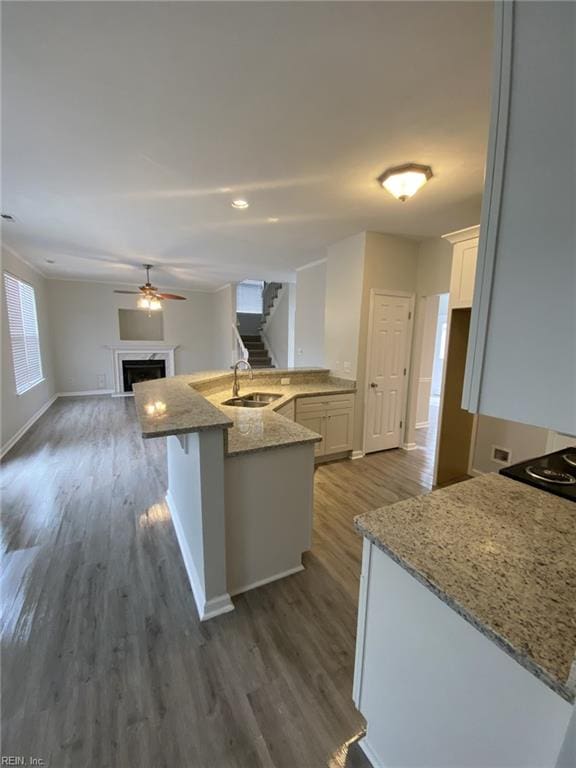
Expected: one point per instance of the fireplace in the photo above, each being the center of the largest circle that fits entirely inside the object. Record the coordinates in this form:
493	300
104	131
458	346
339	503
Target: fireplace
134	371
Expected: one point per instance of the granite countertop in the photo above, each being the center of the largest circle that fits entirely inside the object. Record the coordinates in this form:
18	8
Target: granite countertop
501	554
191	403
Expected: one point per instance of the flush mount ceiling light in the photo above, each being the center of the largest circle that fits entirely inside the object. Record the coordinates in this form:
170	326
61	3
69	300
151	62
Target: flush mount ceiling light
239	203
405	180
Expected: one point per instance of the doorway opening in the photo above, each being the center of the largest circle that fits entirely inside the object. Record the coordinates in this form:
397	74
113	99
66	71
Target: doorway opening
431	370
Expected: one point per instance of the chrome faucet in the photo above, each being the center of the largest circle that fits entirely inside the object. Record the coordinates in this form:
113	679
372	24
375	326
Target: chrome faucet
236	385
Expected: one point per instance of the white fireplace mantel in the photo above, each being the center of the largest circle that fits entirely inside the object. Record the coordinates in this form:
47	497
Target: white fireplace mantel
139	350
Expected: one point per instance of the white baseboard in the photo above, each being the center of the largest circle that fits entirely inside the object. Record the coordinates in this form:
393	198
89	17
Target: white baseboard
357	455
121	394
86	392
207	609
268	580
409	446
22	431
475	472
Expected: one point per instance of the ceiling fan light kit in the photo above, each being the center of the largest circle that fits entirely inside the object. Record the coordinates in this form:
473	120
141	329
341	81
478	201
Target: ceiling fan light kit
149	298
403	181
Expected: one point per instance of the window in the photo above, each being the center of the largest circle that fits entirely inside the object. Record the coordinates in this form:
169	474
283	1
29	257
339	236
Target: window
23	326
249	297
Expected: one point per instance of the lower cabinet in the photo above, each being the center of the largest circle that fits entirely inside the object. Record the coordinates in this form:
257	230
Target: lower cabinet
331	416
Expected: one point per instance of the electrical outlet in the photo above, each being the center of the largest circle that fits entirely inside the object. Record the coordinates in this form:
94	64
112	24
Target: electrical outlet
285	381
300	351
500	455
101	381
347	367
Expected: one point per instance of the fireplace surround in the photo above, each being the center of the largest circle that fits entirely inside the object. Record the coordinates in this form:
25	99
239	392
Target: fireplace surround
144	355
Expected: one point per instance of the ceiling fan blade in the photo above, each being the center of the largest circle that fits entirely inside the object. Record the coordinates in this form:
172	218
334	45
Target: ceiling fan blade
171	296
134	293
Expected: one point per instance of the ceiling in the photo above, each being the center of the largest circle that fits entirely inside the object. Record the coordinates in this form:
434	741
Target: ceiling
128	128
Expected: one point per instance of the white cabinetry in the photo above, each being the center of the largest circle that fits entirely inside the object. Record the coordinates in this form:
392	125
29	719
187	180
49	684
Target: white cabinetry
521	361
437	692
331	416
463	267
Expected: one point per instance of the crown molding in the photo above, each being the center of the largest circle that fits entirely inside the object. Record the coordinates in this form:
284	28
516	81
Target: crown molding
462	234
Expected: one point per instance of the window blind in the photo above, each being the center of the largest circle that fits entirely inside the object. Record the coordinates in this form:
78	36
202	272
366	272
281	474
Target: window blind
249	297
23	327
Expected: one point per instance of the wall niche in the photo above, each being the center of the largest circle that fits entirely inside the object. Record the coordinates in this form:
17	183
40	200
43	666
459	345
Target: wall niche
138	325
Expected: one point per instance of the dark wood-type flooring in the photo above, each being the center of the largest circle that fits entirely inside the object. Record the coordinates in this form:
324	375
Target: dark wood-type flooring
104	661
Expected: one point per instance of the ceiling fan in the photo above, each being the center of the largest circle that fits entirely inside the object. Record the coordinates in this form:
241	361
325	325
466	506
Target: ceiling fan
150	299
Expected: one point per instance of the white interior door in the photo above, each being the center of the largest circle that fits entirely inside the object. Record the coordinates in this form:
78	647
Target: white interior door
387	368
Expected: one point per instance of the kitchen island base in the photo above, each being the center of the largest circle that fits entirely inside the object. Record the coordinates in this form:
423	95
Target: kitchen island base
241	521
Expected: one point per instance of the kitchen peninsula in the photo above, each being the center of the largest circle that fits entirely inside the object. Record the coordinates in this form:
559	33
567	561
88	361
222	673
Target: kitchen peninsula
466	637
240	479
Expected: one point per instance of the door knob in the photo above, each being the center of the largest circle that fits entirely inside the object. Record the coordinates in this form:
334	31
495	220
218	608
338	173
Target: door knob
373	385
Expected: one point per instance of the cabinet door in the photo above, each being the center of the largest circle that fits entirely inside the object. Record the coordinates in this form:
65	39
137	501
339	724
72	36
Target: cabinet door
521	355
316	422
338	435
463	273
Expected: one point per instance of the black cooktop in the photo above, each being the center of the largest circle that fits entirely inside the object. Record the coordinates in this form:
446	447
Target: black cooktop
555	472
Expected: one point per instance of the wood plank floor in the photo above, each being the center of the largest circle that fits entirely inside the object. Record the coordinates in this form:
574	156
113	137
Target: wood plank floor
104	661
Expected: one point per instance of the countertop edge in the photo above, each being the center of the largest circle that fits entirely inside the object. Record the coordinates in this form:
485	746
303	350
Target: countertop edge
186	430
563	689
262	448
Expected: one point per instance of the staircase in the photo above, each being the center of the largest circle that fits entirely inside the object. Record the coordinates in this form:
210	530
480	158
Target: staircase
269	296
258	356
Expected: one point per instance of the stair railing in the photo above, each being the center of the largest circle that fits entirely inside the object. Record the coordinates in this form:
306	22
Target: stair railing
241	353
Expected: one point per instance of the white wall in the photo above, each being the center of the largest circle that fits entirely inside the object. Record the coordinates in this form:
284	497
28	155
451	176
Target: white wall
310	315
434	266
426	367
84	320
441	324
390	264
278	331
344	281
522	440
224	317
17	410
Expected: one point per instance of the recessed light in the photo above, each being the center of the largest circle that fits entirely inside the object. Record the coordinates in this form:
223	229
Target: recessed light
7	217
239	203
273	219
405	180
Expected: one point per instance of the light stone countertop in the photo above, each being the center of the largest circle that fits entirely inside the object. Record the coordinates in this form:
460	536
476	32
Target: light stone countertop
502	554
194	403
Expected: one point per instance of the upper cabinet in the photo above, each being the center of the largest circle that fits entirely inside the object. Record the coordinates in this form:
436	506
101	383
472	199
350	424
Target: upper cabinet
521	361
464	255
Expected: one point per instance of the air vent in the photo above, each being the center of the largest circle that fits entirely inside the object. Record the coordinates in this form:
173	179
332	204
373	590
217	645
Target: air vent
500	455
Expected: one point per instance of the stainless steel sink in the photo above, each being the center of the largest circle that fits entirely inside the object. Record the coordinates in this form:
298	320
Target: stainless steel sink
252	400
